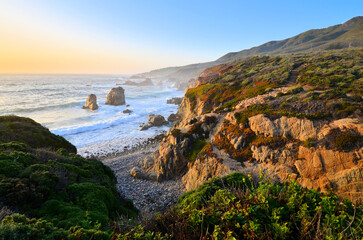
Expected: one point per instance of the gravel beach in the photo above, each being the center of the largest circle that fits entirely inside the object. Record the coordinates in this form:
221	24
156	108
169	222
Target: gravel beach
148	196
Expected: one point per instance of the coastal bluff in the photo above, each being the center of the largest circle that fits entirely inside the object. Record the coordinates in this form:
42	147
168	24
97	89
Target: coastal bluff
91	102
285	116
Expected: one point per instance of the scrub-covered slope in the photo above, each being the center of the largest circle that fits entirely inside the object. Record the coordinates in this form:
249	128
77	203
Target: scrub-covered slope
295	116
348	34
70	197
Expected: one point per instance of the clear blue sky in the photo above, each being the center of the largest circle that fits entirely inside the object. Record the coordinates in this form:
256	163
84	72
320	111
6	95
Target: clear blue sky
106	36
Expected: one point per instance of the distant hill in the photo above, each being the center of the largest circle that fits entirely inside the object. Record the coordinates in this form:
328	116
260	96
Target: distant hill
348	34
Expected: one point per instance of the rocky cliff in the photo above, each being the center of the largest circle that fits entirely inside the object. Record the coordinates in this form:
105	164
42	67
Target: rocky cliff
295	117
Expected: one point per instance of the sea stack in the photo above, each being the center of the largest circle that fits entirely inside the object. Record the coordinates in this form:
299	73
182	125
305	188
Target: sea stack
91	102
116	97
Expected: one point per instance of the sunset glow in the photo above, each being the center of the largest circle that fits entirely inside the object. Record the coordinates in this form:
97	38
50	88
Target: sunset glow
123	37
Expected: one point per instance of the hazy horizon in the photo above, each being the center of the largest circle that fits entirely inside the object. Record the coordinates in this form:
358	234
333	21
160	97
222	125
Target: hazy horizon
121	37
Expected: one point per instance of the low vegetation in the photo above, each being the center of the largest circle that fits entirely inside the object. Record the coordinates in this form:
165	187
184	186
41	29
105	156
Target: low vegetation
26	130
333	74
197	147
235	207
66	195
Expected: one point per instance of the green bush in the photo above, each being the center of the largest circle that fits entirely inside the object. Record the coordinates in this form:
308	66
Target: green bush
196	148
346	140
25	130
63	189
234	208
18	227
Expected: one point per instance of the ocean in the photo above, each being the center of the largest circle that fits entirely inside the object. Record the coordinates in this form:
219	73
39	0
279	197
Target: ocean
56	102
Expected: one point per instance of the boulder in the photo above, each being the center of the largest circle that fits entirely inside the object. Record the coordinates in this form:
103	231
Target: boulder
136	172
175	101
144	127
173	117
116	97
148	162
91	102
203	170
157	120
127	111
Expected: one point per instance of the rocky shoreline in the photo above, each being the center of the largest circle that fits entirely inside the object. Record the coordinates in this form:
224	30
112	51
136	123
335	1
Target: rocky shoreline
148	196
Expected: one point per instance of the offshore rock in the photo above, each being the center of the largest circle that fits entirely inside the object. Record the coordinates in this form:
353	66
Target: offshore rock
157	120
175	101
116	97
127	111
91	102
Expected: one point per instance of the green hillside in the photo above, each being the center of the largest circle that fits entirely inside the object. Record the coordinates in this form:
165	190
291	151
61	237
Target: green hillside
67	196
349	34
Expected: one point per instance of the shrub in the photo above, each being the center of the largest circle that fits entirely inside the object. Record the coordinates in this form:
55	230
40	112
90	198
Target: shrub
197	147
25	130
61	188
234	208
346	140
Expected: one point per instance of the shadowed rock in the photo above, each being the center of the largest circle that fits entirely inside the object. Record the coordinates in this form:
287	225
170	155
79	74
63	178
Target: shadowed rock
173	117
127	111
157	120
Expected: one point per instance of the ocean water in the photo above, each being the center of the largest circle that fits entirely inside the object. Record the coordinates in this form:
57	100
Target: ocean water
56	102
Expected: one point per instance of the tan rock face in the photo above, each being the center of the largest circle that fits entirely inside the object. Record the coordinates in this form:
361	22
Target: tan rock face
91	102
342	124
202	170
169	161
116	97
296	128
323	169
187	111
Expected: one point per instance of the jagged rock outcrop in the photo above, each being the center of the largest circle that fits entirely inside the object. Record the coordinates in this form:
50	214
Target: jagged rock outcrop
296	128
329	169
91	102
169	160
189	109
202	170
342	124
279	161
116	97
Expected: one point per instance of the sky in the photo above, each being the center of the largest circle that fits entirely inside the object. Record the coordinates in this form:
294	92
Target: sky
133	36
